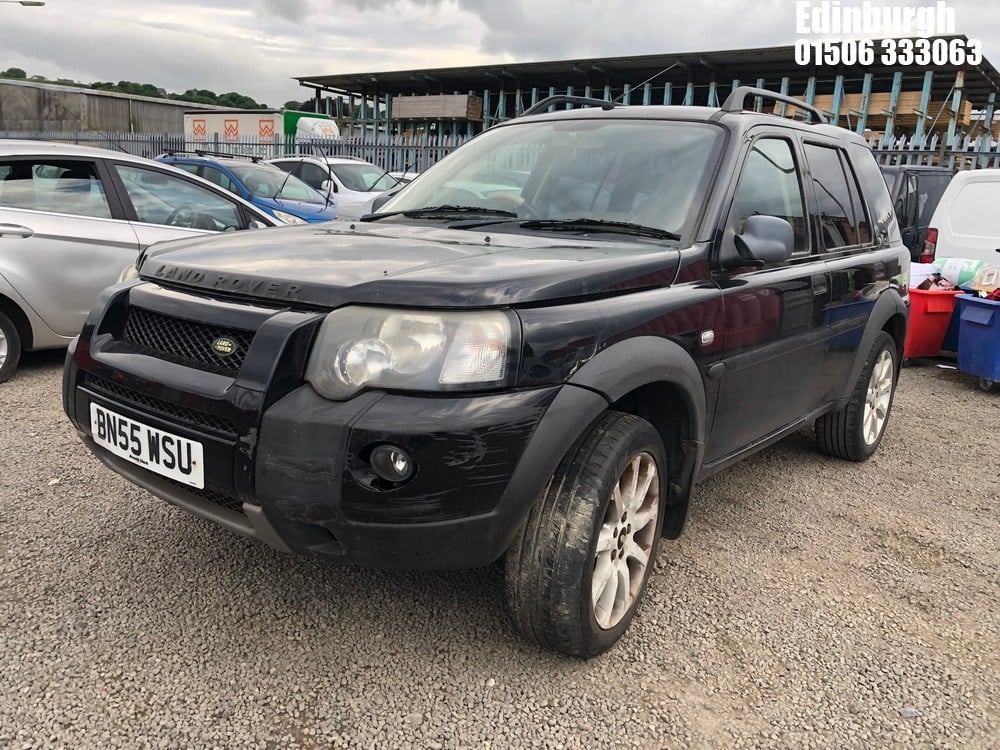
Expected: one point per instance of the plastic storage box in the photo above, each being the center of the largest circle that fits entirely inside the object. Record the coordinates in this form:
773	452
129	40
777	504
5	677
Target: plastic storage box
979	339
930	313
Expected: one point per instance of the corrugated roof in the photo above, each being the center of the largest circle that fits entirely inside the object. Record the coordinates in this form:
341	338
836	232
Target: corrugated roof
770	63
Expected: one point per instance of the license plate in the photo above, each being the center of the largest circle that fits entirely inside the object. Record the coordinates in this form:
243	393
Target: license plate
166	454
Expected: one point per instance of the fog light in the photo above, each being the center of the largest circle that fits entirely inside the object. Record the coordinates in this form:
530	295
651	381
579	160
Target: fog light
391	463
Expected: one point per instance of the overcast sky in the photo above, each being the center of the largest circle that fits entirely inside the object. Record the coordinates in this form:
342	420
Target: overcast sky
256	46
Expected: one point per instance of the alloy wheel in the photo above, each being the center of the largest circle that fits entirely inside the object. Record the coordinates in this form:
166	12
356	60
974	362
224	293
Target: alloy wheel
625	541
879	397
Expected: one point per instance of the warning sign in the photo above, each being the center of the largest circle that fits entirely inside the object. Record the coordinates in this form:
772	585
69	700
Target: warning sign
199	129
266	128
232	130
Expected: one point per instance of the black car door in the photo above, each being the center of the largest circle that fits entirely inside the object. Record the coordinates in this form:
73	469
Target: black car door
772	348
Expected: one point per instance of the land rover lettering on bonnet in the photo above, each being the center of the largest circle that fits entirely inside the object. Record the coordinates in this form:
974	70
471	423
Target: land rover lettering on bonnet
533	352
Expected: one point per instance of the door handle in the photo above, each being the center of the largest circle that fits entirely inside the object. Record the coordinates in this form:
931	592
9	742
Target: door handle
15	230
819	285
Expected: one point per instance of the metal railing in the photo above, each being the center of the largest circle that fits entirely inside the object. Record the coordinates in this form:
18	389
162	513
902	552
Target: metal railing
417	153
412	153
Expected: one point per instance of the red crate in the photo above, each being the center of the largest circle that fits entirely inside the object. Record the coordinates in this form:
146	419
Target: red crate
930	314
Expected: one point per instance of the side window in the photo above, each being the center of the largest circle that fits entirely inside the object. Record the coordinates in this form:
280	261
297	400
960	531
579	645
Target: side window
838	218
314	176
906	201
770	186
220	178
191	168
55	186
876	194
930	189
166	199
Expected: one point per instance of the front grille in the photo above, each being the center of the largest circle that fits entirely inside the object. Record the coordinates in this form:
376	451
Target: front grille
223	500
186	342
166	409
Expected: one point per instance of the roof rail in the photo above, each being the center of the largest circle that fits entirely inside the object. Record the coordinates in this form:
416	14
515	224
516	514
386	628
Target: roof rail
203	152
551	101
734	102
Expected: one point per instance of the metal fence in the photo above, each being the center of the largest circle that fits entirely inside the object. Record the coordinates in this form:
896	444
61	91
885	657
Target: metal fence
416	153
412	154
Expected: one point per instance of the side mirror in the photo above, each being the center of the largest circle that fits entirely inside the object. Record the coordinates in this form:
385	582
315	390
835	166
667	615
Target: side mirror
328	186
255	224
765	239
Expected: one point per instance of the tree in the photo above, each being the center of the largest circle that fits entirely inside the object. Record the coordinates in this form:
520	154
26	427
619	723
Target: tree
238	101
13	73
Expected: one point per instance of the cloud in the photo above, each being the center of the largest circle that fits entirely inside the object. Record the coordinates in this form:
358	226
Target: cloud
290	10
257	47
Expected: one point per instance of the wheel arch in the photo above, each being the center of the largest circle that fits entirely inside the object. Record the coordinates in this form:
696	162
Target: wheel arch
890	315
13	311
657	380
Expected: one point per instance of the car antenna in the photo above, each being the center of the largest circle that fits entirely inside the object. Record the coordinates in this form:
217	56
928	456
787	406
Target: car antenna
655	75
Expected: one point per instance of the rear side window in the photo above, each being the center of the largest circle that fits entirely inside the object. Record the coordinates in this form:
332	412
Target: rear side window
875	193
838	214
65	187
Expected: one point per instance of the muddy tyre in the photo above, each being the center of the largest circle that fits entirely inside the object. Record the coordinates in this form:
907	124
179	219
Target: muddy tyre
577	570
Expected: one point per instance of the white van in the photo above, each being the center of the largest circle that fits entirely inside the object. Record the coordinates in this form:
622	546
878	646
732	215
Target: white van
966	222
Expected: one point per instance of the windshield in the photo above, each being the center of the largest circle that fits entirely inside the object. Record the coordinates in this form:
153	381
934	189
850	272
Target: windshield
648	173
268	181
363	177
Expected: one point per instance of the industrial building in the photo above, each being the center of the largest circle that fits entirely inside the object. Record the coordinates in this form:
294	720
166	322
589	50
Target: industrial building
947	100
33	107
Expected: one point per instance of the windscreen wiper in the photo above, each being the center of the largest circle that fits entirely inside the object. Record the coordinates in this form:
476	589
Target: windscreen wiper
601	225
443	211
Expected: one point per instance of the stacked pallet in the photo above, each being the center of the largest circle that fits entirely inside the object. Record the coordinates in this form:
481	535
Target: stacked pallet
906	110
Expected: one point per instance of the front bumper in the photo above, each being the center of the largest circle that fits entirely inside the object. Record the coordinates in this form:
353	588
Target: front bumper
287	467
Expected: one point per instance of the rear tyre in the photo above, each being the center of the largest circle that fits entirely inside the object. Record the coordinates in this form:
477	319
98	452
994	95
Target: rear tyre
578	568
855	432
10	348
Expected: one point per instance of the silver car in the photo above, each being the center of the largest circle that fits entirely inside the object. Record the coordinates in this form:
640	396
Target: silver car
72	217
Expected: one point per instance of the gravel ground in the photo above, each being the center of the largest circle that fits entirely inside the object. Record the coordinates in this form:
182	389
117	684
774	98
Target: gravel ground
810	603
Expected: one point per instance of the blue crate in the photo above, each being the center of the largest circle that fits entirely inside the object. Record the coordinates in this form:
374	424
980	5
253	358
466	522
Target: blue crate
979	338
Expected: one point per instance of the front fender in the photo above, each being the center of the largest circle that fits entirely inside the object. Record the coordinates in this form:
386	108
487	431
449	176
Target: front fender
627	366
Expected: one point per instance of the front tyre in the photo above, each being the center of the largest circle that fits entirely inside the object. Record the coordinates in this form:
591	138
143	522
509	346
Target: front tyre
854	432
577	570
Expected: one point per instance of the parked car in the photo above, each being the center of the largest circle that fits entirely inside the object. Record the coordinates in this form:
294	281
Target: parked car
272	190
966	222
539	373
915	192
72	217
354	182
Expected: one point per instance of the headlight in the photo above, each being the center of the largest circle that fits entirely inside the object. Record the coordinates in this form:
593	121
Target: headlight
365	347
131	272
289	218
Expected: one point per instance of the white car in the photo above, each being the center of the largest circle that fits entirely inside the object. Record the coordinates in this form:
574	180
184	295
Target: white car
72	217
355	182
966	223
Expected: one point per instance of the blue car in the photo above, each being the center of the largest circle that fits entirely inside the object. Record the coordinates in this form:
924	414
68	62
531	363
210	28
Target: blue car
280	194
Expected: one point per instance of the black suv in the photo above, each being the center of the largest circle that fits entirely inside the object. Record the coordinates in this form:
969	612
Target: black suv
535	350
